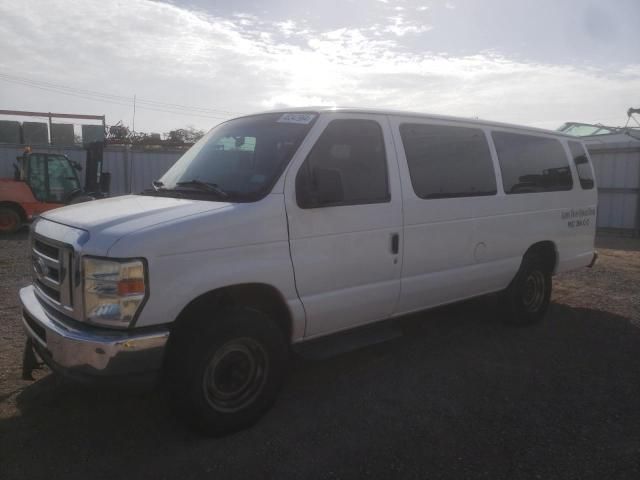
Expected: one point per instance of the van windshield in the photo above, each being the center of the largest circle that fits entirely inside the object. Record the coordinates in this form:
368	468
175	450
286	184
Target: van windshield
239	160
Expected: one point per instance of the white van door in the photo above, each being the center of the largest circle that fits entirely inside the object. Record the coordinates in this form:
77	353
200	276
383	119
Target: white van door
449	188
344	208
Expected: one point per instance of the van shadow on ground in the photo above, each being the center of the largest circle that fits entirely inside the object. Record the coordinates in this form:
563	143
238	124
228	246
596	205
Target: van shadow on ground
457	395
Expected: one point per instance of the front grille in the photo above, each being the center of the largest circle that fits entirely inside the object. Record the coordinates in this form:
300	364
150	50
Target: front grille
50	292
35	326
52	271
48	250
54	275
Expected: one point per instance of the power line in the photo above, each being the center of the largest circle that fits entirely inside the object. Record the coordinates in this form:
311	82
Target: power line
118	99
103	98
110	96
118	102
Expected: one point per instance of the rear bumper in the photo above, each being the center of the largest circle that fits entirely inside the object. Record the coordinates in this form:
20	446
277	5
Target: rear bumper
88	353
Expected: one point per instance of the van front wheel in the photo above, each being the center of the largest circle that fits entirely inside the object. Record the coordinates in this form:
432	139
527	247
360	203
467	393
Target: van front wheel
527	298
226	372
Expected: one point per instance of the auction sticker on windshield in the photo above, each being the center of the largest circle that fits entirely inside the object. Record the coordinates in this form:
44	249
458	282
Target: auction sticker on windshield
300	118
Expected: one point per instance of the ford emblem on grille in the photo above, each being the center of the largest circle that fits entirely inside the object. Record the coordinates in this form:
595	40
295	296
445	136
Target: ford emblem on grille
40	267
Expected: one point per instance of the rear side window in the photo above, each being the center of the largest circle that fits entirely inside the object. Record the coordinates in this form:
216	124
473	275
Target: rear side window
346	166
532	164
585	174
447	162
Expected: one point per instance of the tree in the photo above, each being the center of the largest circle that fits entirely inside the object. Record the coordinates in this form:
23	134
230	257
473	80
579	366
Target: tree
122	135
187	135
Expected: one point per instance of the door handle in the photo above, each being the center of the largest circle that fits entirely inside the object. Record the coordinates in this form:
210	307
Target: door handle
395	243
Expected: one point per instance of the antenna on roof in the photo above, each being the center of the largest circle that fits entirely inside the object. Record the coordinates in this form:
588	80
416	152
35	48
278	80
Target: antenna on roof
630	113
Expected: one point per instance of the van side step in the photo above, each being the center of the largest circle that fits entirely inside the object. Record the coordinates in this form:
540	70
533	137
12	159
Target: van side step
348	341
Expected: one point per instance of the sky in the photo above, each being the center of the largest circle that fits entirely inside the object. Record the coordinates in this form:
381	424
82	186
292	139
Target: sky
197	62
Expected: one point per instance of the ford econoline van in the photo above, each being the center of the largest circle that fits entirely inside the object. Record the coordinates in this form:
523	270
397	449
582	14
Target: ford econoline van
286	226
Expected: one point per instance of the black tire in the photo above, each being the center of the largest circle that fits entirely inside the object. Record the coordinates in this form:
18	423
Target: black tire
224	373
527	298
10	220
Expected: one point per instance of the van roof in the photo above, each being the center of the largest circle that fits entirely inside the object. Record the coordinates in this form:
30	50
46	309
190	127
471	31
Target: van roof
380	111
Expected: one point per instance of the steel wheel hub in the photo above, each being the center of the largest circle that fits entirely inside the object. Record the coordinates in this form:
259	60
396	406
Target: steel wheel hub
534	291
235	375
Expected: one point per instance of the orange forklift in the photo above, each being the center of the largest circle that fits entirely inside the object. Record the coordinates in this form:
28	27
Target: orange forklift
43	181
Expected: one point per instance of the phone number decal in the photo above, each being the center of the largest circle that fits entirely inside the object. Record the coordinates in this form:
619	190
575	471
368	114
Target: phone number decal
578	217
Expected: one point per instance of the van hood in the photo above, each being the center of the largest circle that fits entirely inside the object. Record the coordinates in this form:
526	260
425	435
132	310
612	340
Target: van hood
153	227
119	216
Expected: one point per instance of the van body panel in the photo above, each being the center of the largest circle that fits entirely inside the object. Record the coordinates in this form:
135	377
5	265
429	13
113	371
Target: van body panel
456	248
448	255
346	274
231	245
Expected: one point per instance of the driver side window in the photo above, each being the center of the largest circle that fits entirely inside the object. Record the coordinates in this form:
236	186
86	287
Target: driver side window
347	166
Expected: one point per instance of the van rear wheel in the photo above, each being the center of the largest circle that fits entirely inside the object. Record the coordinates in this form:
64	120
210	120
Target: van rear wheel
527	298
225	373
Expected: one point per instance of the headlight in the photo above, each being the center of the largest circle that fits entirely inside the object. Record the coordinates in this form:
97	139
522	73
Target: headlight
113	290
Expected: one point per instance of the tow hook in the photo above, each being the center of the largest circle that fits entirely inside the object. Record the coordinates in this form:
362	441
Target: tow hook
30	361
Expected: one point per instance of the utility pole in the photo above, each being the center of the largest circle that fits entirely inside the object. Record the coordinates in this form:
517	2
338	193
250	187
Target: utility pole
133	123
50	130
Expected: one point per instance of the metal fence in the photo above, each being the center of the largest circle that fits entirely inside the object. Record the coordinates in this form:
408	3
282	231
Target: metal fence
617	172
132	168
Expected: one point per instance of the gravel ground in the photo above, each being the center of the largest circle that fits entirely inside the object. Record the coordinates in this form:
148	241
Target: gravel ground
455	395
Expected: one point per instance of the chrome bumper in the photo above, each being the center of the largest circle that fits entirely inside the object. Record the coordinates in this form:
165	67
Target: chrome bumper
83	351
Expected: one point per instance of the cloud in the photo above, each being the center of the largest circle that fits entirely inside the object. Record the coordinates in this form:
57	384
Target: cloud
400	26
243	63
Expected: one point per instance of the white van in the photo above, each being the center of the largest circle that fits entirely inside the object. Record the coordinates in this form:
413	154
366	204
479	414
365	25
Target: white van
286	226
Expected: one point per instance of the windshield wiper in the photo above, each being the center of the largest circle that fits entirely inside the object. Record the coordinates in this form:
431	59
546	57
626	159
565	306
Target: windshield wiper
207	186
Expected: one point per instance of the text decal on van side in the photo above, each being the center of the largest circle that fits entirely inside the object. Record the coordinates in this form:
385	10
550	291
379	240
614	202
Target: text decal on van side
300	118
578	217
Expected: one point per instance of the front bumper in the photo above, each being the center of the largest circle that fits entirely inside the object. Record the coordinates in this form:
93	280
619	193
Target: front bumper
89	353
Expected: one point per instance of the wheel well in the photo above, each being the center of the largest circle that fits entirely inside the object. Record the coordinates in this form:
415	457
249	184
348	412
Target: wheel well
547	251
259	296
17	207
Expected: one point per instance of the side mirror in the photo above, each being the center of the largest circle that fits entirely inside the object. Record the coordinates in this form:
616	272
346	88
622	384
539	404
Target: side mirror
320	187
76	165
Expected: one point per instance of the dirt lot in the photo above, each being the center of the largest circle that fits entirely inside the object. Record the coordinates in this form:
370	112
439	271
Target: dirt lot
456	395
